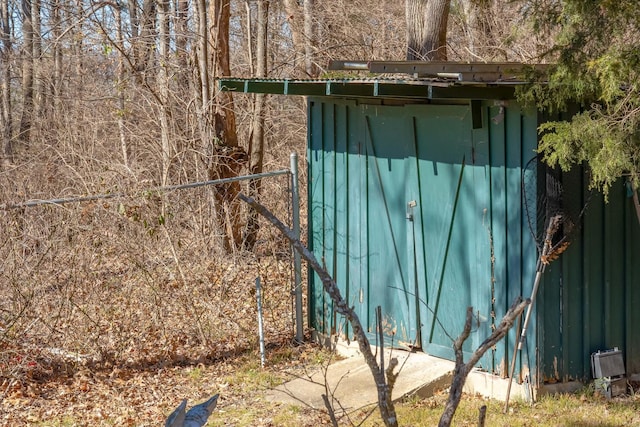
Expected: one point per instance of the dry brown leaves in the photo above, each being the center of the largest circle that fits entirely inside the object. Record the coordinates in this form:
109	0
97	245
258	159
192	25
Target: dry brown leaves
109	321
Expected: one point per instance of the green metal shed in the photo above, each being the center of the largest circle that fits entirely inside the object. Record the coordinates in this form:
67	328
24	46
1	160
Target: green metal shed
416	205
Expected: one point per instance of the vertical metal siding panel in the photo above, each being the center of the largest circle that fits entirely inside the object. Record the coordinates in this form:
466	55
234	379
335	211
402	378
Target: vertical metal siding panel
355	199
573	366
329	200
632	289
449	234
419	274
315	200
593	334
388	149
502	257
363	215
516	224
614	268
529	138
341	237
424	275
414	232
480	189
550	314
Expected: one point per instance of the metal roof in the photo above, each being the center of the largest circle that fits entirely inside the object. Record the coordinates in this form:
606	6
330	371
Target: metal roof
417	88
399	79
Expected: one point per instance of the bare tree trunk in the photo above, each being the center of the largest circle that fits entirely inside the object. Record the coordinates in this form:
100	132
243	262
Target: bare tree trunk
78	47
163	82
221	14
477	26
27	72
120	88
309	40
182	41
256	141
296	24
134	38
56	81
228	156
38	80
202	52
6	116
144	46
427	29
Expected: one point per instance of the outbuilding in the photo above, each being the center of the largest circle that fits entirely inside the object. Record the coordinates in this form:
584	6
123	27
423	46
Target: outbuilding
425	196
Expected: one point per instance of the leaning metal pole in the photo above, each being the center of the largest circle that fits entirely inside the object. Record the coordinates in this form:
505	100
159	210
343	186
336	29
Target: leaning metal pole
520	342
545	258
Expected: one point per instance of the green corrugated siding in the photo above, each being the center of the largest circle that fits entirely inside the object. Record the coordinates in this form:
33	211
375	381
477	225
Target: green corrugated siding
591	294
469	241
366	163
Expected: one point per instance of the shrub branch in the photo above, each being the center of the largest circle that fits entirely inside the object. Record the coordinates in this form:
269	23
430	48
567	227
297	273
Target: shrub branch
385	403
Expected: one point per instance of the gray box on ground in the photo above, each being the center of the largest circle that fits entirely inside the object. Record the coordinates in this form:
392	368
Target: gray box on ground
606	364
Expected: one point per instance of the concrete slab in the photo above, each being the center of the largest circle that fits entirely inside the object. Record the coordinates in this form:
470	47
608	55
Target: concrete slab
350	384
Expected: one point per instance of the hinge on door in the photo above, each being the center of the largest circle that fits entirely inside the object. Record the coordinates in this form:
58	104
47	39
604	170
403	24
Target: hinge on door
412	204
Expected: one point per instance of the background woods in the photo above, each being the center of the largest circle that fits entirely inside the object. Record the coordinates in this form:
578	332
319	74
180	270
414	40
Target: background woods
146	70
123	92
120	97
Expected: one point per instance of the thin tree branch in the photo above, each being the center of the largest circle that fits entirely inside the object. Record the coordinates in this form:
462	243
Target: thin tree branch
462	369
385	403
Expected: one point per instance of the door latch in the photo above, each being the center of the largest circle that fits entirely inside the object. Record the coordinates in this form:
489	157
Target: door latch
412	204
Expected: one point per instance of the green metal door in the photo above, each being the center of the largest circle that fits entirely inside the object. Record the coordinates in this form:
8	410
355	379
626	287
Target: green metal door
454	214
399	200
392	192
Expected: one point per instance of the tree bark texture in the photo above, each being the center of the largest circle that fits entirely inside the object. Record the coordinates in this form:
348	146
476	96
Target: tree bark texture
229	157
144	46
427	29
38	80
309	39
27	72
301	18
224	114
205	111
163	82
120	87
6	115
56	81
256	138
295	19
182	39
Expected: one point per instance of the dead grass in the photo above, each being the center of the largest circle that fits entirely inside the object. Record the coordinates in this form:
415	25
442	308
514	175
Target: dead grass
145	395
111	313
583	409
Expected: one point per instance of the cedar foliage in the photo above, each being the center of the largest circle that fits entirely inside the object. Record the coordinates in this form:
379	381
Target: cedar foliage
597	57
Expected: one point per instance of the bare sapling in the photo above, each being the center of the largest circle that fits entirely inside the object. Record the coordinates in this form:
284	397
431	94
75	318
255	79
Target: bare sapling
383	385
462	369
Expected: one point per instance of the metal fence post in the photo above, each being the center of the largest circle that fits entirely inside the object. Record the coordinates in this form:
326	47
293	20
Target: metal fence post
297	263
260	321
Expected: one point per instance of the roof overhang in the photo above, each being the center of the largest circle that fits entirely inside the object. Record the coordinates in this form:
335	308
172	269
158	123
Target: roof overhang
418	88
